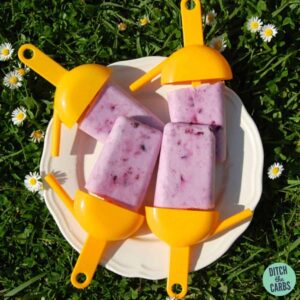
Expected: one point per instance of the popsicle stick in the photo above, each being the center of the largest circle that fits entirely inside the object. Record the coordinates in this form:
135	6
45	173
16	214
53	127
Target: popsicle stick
191	23
56	129
41	63
61	193
146	77
178	271
233	221
88	261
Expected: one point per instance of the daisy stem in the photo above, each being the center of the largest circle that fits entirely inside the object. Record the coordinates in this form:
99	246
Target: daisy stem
26	91
19	141
35	123
11	96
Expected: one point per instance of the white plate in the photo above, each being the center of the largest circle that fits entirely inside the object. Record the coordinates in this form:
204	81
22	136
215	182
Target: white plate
238	184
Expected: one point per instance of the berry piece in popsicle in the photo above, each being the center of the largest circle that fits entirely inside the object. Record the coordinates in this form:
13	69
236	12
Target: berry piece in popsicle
124	168
110	103
202	105
186	171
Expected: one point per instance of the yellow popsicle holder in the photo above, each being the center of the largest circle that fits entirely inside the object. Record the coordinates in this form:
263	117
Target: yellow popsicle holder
195	63
181	229
103	221
75	89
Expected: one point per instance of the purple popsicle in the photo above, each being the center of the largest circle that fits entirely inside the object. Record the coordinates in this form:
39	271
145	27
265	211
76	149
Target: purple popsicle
186	172
202	105
110	103
124	168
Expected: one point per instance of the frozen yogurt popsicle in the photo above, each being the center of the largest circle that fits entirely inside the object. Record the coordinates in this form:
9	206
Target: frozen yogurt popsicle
186	171
201	105
124	168
110	103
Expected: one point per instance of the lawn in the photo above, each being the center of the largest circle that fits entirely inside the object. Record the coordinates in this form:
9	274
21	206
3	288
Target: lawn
35	260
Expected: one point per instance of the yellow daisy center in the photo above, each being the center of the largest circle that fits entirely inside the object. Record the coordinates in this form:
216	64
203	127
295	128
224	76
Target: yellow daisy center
5	51
13	80
268	32
122	26
21	71
218	45
20	116
254	25
37	134
32	181
144	21
210	17
275	170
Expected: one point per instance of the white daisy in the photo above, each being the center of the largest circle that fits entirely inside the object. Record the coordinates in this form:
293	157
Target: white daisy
6	51
41	193
268	32
144	21
22	70
122	26
210	18
13	80
18	116
37	136
32	182
275	170
218	43
254	24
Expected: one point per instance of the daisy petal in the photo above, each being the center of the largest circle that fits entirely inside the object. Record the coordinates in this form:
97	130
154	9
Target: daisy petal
32	182
18	116
268	32
22	70
254	24
13	80
210	18
37	136
218	43
275	170
6	51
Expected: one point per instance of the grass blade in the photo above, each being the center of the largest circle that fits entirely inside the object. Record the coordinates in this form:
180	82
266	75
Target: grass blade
24	285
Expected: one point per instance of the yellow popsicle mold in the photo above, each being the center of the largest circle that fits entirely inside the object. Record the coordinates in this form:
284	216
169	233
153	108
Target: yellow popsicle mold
103	221
180	229
195	62
75	89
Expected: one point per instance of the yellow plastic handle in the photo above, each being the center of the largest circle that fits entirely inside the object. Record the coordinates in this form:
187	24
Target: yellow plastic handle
88	261
191	23
146	77
233	221
41	63
61	193
56	129
178	271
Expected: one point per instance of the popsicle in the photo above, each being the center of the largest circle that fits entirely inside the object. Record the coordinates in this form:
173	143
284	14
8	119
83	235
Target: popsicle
186	172
202	105
125	165
110	103
76	92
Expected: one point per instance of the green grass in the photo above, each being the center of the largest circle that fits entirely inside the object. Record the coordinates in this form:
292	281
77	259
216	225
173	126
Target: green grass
35	260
